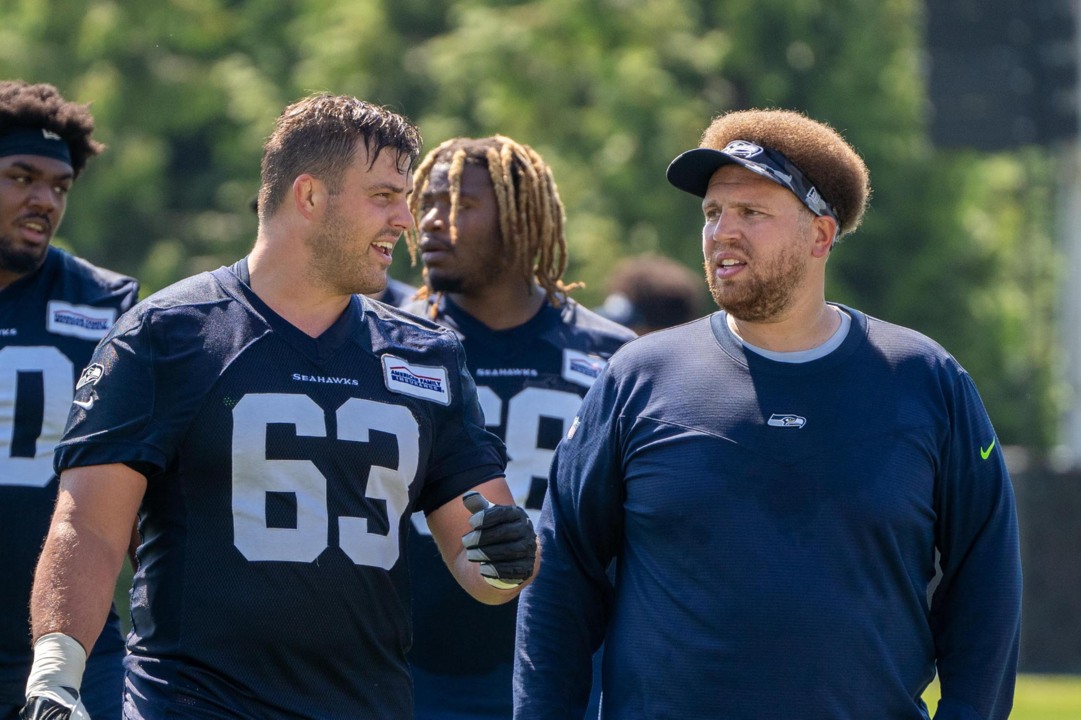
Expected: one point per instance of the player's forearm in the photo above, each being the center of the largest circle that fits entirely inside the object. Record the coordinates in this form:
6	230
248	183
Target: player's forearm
552	665
73	585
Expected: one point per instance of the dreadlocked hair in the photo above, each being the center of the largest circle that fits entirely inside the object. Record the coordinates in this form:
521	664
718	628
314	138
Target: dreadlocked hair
531	215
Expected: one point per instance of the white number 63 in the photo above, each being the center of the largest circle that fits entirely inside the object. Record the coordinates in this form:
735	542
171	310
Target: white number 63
254	476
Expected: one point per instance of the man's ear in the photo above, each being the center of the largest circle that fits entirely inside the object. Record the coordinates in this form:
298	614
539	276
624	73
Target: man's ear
310	196
825	230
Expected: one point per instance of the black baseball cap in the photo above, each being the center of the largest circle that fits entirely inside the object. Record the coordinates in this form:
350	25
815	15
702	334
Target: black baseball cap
692	170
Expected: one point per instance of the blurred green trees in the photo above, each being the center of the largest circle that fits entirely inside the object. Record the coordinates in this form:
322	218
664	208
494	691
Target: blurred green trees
956	244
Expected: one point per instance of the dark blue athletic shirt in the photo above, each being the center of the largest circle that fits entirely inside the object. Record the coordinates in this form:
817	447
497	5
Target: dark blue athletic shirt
531	380
775	528
396	293
282	471
50	322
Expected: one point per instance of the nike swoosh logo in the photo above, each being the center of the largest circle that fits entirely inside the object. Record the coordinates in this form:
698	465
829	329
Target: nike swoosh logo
87	404
987	453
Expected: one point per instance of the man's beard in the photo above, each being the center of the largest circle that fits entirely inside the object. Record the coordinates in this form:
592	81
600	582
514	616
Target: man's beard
763	297
334	266
465	283
446	284
20	262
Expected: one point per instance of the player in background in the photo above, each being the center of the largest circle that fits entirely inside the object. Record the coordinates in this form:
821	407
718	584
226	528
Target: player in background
490	235
273	431
774	482
54	308
651	292
396	293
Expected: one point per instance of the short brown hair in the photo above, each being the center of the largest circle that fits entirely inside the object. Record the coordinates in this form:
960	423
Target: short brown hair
319	135
23	105
826	159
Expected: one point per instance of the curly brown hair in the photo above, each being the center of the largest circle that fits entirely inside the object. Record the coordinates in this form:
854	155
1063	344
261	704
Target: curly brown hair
531	214
23	105
320	134
819	151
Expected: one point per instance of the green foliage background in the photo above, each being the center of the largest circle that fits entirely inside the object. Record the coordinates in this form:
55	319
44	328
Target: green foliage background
956	244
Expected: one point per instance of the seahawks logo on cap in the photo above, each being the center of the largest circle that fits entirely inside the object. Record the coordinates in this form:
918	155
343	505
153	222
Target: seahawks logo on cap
741	148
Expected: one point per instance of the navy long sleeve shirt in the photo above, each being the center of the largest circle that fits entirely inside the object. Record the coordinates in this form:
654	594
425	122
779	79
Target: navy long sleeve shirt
775	528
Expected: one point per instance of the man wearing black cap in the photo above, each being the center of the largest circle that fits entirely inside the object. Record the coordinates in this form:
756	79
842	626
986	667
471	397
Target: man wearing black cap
774	482
53	310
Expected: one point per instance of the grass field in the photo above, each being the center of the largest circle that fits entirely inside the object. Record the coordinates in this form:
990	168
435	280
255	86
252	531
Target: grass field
1038	697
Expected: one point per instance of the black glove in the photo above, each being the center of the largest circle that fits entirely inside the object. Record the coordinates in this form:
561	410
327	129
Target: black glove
44	708
502	541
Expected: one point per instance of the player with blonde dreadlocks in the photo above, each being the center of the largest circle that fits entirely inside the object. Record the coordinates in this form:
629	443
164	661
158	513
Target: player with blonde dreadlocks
530	210
489	230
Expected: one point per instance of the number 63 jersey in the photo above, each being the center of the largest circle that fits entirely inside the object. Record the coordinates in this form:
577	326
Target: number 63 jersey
531	380
281	473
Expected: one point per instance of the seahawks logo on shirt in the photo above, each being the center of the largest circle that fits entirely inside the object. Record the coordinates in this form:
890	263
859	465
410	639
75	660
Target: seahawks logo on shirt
786	420
90	375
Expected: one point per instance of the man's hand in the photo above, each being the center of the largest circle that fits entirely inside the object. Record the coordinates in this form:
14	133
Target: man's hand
502	541
52	689
41	707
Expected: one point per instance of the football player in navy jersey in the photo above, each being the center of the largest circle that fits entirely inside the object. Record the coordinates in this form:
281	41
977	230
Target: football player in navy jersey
490	234
396	293
273	431
54	308
774	482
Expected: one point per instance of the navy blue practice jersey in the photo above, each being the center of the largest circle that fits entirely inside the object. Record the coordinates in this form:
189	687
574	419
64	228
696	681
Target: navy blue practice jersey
50	322
396	293
531	380
282	471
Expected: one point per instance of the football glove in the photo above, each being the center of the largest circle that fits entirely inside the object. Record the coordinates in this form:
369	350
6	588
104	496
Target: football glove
52	690
502	541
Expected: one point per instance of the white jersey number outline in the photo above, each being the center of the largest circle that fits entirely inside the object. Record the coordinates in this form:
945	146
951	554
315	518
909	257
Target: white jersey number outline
56	375
254	476
524	413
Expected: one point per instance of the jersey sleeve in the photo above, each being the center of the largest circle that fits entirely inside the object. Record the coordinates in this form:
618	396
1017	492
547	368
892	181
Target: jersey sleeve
976	608
111	419
464	453
129	295
563	613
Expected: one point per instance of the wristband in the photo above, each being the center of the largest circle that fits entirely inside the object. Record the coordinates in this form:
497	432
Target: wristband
59	661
